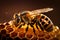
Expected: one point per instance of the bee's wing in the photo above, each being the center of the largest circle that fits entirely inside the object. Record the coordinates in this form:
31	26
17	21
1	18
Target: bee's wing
42	10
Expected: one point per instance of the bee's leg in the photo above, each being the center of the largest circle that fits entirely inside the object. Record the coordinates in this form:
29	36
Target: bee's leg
39	24
31	24
21	24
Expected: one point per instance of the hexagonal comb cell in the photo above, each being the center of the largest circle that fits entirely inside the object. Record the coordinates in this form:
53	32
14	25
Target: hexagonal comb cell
21	35
34	38
2	26
13	34
3	32
9	29
41	39
41	34
47	36
8	32
29	34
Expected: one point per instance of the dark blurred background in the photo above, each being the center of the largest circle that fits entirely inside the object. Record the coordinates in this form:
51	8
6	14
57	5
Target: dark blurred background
9	7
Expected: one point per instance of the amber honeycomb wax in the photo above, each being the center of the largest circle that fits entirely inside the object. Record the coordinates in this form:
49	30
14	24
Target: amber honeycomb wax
11	32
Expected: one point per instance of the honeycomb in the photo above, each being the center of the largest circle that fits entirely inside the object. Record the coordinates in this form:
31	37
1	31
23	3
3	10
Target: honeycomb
12	32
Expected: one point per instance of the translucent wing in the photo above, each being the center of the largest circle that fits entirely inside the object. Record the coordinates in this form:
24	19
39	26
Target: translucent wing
38	11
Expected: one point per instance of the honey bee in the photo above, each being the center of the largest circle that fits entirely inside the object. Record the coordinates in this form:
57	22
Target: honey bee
29	25
36	16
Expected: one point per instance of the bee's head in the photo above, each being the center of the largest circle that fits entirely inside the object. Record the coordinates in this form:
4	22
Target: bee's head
17	18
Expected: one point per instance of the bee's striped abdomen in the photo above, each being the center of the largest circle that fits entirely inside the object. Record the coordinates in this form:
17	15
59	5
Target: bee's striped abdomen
44	22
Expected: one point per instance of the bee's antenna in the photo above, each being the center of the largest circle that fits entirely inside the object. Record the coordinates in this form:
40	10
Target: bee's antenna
15	15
